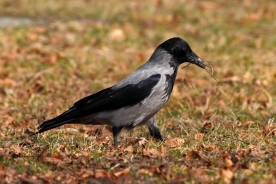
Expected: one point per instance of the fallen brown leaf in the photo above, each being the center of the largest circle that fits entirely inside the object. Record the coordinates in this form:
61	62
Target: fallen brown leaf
129	149
174	142
163	150
142	141
117	34
199	136
208	5
41	30
2	151
31	180
16	149
228	162
83	159
163	170
86	173
227	175
193	155
253	16
32	36
62	149
123	172
42	154
55	161
269	130
102	174
53	58
2	172
200	174
151	152
7	82
231	79
10	172
144	172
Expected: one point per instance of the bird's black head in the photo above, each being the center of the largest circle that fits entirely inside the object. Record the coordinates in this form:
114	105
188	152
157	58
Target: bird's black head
181	50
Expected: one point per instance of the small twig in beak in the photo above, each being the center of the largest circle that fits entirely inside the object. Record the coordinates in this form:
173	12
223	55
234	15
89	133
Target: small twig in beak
211	48
185	66
190	82
186	76
211	67
211	72
212	75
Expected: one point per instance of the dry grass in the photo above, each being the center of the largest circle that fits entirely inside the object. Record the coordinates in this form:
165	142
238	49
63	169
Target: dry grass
75	48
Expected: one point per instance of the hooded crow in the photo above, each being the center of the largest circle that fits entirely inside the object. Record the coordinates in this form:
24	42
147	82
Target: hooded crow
137	98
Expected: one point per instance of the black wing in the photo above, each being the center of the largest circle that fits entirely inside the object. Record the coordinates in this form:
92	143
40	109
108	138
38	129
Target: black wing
105	100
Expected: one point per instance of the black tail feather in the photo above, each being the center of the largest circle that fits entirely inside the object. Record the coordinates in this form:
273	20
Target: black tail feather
50	124
53	123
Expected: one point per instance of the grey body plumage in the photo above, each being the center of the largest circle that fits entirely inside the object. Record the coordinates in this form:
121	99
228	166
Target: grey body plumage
137	98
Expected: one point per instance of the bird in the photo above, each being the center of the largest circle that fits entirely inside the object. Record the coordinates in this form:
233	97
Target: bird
136	99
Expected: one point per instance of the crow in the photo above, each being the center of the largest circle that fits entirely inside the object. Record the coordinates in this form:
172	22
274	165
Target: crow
137	98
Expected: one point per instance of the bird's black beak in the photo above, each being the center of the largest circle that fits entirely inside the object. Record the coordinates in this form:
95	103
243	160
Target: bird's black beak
197	61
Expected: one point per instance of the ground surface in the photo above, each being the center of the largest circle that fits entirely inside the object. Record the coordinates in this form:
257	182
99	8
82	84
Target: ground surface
53	53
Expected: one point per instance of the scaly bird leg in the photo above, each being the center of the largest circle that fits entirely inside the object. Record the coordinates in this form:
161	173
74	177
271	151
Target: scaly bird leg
116	131
154	130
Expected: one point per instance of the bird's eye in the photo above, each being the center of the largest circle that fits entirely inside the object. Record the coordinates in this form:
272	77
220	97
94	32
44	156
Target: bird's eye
177	51
187	51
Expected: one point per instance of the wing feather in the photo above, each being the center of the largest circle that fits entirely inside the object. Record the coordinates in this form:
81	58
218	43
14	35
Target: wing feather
105	100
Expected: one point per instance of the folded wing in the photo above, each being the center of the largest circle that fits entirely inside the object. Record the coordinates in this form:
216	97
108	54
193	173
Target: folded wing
105	100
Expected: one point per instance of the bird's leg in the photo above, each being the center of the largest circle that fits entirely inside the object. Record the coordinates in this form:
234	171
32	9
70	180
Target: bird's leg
116	131
154	130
